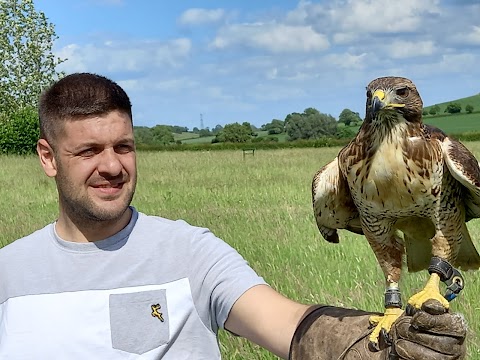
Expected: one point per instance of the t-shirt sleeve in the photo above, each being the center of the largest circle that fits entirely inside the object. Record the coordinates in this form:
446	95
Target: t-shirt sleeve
223	274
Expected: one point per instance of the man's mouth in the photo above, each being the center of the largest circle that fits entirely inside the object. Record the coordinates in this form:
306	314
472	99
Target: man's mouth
107	186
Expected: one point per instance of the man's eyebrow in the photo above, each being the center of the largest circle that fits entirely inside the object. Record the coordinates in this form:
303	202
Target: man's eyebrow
85	145
88	144
125	140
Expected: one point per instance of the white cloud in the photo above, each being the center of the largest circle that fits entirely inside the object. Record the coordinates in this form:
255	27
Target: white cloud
387	16
266	92
461	62
401	49
114	56
471	37
132	85
348	61
349	21
277	38
198	16
175	84
217	93
343	38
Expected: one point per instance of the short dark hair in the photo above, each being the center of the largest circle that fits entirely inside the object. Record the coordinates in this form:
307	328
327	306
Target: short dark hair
77	96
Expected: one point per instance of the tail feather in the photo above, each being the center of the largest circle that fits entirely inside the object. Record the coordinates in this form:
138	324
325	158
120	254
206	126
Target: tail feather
468	257
419	252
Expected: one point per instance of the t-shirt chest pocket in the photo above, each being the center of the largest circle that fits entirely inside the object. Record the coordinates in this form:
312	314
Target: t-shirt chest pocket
139	321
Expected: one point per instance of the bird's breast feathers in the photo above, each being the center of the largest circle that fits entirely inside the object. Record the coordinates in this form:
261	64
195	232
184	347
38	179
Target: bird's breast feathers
403	175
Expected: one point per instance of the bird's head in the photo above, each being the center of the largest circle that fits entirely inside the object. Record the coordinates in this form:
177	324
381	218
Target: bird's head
390	96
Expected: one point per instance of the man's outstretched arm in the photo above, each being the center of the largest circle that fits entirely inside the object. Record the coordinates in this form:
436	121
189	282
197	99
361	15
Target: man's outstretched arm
292	330
266	318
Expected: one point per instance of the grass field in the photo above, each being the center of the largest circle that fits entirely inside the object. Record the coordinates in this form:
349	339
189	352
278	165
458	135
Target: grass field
470	100
185	136
199	140
455	123
261	206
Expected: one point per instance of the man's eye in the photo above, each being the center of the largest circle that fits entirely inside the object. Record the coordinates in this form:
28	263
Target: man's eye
124	148
87	152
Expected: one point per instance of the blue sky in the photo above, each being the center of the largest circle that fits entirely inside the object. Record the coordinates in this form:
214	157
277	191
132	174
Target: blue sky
258	60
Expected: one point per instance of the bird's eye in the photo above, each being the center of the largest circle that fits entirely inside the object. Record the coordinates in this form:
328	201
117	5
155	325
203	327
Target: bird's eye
369	94
403	92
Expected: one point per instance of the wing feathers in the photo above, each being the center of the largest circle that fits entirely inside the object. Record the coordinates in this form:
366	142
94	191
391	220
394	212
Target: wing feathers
332	203
465	169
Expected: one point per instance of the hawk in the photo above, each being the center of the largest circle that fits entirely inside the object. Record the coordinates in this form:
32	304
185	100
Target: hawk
409	188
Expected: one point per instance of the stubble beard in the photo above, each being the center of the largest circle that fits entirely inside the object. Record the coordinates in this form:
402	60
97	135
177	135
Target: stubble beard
82	210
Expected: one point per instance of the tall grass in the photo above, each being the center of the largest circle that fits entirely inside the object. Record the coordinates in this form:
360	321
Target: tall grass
261	205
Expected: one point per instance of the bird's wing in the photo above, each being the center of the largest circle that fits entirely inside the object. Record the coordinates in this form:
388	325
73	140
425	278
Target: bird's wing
332	203
465	168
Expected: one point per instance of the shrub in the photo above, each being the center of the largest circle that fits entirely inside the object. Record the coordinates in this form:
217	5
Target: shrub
19	132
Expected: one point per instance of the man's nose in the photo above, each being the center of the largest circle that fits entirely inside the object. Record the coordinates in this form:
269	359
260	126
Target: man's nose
109	163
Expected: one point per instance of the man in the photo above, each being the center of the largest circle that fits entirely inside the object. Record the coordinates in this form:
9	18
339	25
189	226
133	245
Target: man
107	282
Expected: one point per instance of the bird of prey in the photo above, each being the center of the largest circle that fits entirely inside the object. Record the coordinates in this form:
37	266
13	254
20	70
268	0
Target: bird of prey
409	188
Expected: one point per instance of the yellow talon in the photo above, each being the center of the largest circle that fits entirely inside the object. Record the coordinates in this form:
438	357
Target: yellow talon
384	322
431	291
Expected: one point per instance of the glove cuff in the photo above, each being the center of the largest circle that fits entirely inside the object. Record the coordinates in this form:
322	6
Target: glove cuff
335	333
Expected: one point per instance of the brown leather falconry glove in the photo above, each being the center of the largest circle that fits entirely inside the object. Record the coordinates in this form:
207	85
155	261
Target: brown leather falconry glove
330	333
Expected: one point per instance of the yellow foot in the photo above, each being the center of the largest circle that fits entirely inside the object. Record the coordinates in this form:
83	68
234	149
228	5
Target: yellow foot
431	291
384	322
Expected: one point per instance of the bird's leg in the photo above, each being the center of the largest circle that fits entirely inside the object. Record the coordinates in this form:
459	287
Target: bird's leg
445	246
440	270
388	248
393	309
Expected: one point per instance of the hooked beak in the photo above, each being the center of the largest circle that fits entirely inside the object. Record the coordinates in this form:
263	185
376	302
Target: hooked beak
379	102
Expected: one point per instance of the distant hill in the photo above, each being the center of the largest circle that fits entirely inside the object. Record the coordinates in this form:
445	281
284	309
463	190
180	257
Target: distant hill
456	123
471	100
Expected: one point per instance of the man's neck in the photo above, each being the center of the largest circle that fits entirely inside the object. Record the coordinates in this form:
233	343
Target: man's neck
86	230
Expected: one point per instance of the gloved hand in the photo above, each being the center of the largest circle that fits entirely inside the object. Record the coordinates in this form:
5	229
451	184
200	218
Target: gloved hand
330	333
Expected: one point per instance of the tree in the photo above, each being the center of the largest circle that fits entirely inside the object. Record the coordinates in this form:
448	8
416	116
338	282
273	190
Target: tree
143	135
469	108
178	129
434	110
348	117
27	64
274	127
205	132
235	133
453	108
162	135
345	132
217	129
249	128
311	124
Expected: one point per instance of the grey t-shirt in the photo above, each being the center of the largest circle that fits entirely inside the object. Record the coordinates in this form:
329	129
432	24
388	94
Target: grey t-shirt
158	289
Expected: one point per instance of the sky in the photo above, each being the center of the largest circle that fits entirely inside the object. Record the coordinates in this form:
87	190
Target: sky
209	62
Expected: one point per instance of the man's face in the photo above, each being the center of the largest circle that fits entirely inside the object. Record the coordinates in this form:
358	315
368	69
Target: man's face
96	167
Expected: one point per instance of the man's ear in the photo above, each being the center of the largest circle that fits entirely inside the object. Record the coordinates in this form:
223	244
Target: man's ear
47	158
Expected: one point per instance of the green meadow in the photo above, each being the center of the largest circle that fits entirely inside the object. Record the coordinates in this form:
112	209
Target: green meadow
455	123
473	100
261	205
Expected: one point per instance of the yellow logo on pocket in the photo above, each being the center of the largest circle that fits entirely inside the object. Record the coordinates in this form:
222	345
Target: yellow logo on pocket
156	313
